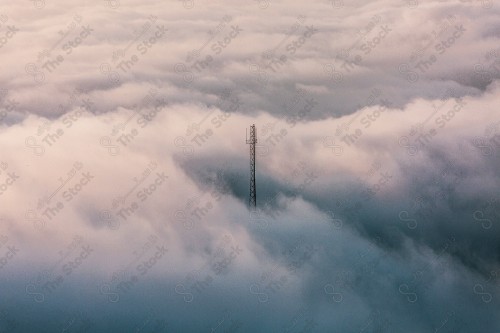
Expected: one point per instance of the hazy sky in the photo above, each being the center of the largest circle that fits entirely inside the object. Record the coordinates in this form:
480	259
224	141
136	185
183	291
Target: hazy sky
124	170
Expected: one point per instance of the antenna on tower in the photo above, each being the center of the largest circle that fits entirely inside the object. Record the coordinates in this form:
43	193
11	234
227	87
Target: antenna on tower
252	142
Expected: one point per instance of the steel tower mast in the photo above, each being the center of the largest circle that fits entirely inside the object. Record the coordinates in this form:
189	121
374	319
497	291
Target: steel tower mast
252	141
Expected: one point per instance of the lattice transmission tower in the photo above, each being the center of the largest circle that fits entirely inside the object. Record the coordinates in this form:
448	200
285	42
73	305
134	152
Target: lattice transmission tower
252	141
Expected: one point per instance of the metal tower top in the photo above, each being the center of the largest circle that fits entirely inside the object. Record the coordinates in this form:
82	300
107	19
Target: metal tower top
252	141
